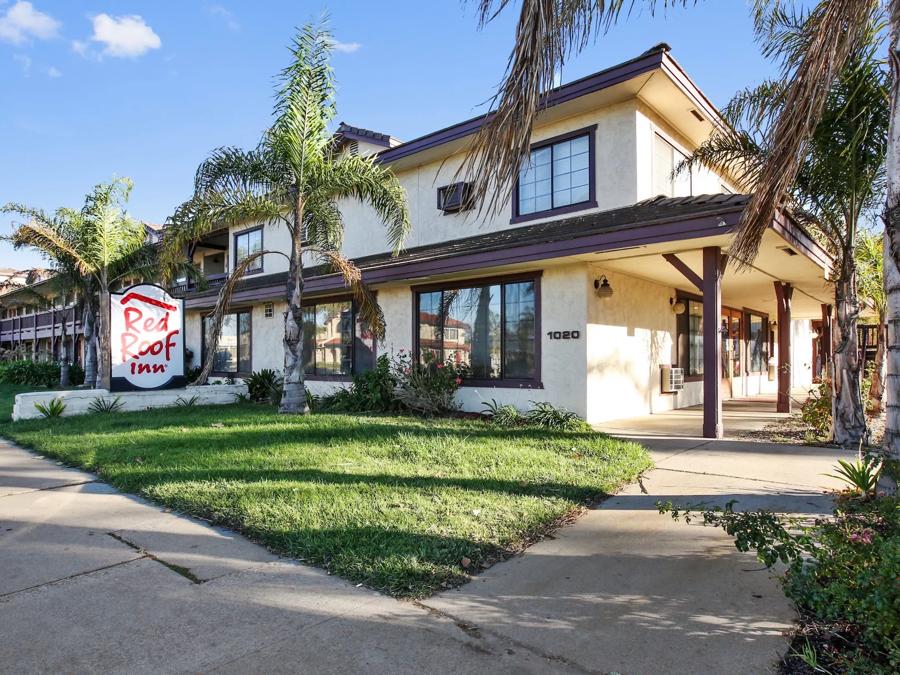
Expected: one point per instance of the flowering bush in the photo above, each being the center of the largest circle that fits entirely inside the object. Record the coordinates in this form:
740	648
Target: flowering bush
427	388
842	572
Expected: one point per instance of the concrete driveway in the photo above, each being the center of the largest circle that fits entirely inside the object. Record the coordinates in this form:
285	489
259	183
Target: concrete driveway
93	580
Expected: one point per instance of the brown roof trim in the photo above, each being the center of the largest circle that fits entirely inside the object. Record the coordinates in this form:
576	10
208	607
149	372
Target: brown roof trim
627	70
653	221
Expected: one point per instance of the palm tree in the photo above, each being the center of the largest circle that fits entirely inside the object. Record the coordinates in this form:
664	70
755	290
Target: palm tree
840	180
294	177
100	245
548	32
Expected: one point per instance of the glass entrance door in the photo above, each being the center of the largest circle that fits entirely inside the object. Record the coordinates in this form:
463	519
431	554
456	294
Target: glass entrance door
732	358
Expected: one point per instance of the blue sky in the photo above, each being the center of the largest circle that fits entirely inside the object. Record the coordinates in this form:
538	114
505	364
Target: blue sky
145	89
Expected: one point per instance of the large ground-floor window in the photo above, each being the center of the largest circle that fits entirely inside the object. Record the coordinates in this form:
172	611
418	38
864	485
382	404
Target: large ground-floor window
757	343
336	342
232	355
488	329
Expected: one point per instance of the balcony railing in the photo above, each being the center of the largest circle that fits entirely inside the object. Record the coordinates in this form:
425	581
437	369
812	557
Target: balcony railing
41	325
190	286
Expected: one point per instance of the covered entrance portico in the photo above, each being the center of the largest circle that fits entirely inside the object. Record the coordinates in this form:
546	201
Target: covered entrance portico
758	346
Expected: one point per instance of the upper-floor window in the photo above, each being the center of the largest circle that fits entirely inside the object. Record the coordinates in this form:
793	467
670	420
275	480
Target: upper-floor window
336	341
247	243
665	160
558	176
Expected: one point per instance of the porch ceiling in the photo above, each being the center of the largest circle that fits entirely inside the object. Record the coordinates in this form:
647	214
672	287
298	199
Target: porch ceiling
751	288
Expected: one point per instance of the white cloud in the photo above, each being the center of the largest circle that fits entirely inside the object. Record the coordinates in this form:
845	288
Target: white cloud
225	15
24	62
54	72
22	21
345	47
123	36
79	47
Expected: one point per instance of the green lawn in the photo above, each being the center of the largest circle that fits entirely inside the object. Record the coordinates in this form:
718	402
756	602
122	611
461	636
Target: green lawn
394	502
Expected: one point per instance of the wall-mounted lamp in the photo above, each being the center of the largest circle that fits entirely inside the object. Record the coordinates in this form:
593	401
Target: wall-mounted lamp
678	306
602	287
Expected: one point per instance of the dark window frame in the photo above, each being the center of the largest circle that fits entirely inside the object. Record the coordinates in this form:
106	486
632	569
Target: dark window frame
222	373
683	359
764	338
354	310
591	203
508	383
262	246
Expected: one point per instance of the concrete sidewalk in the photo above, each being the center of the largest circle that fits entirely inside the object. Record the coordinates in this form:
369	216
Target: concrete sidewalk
93	580
628	590
96	581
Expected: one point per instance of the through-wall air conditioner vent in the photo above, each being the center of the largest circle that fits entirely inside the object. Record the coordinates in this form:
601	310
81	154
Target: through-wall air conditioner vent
788	250
454	197
672	379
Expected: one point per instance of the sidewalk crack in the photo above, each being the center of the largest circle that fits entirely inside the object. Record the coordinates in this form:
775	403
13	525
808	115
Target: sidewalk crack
71	576
475	631
178	569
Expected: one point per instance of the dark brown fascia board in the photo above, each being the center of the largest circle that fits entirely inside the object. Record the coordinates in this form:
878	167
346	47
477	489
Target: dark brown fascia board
586	85
708	225
793	233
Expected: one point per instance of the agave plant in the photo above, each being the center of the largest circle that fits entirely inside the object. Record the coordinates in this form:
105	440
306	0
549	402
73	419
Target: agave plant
53	408
106	405
862	475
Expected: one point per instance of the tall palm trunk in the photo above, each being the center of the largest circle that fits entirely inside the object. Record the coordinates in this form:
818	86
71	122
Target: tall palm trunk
293	398
892	247
64	364
88	324
847	407
104	370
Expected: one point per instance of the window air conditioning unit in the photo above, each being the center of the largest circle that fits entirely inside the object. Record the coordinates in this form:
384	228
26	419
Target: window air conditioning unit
672	379
454	197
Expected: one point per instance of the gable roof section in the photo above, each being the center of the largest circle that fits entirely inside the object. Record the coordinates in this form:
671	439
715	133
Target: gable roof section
655	58
344	130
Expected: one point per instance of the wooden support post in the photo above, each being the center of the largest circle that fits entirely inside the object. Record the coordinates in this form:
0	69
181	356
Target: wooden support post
783	293
712	342
826	340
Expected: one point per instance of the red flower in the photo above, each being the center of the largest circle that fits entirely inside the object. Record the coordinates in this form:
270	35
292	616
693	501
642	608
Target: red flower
458	381
440	365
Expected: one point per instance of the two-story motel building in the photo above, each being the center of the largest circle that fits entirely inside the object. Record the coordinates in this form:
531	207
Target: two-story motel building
601	287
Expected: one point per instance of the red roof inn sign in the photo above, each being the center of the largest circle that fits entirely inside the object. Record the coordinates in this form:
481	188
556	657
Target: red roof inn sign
146	339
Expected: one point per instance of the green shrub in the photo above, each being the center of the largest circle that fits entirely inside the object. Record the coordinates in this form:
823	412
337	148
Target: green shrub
816	411
30	373
842	573
372	391
192	374
546	415
506	415
264	386
427	388
76	375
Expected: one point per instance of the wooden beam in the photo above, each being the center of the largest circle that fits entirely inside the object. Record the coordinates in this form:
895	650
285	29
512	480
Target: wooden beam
712	342
686	271
783	294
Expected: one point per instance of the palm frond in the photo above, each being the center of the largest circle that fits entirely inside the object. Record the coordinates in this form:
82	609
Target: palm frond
214	330
304	104
52	242
831	32
361	178
367	305
548	32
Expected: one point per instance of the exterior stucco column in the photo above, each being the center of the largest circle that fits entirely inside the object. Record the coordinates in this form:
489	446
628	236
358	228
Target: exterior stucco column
712	342
783	293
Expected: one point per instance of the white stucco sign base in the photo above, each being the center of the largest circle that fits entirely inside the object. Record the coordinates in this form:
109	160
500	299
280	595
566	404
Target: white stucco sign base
78	401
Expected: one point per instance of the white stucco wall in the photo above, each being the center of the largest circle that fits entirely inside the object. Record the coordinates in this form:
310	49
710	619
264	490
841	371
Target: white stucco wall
630	336
615	182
